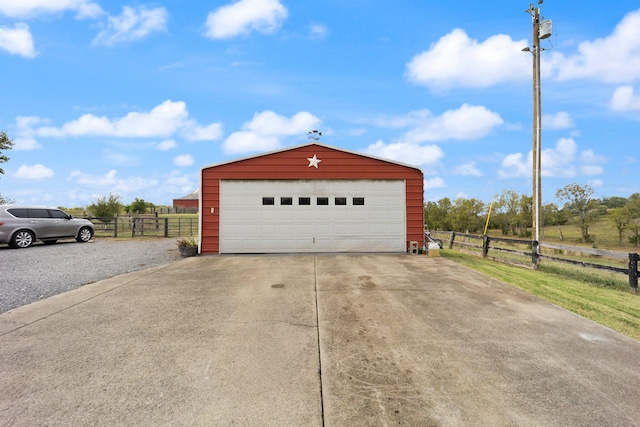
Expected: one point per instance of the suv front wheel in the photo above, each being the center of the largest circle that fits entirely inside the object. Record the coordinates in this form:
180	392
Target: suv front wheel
84	235
22	239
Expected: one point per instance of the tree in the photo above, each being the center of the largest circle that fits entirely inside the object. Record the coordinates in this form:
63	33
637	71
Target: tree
633	205
614	202
138	206
582	208
508	208
5	144
621	218
106	207
466	214
436	215
552	215
524	219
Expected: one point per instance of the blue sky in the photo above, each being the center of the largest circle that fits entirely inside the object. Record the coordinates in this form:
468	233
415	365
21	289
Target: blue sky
133	98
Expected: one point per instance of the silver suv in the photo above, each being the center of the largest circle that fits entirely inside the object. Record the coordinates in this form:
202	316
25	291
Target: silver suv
20	226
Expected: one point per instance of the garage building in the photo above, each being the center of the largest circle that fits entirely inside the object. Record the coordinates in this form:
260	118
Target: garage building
310	198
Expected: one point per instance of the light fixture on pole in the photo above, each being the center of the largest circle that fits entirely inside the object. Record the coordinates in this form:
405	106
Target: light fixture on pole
541	31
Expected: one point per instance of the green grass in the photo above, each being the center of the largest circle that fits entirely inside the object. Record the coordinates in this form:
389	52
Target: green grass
603	233
610	305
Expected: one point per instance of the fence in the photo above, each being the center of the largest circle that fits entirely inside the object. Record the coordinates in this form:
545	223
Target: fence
145	226
173	210
516	249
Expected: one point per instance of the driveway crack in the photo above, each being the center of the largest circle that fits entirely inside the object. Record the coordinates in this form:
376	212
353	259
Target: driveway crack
315	285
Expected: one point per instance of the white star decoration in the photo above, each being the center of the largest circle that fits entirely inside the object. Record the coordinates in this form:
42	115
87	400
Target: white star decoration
313	161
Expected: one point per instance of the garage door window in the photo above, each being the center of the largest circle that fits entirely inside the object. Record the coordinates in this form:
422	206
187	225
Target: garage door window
286	201
358	201
341	201
268	201
304	201
323	201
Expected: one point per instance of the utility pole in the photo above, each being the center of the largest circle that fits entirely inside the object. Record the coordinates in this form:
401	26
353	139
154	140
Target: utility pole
541	30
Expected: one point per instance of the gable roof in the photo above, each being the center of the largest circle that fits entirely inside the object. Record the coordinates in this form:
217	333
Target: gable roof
311	144
194	195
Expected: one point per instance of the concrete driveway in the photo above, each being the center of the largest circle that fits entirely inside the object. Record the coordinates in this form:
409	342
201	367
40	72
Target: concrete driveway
356	340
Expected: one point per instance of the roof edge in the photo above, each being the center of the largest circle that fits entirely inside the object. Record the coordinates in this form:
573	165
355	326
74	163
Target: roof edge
241	159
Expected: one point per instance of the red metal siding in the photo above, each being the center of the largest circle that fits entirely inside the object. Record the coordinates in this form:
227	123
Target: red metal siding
293	164
186	203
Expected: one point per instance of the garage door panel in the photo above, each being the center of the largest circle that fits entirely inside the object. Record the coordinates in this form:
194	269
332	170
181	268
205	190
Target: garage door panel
249	226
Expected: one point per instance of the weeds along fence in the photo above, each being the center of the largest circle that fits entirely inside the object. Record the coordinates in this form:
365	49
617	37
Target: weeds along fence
148	226
530	254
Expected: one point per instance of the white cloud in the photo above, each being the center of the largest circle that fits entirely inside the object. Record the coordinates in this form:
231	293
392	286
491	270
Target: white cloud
436	182
467	169
624	99
318	31
466	123
457	60
121	159
132	25
134	184
357	132
110	182
515	166
561	161
26	144
588	156
413	154
94	180
34	172
162	121
183	160
203	133
612	59
244	16
560	120
269	123
24	128
166	145
29	8
266	130
176	180
25	124
246	142
17	40
591	170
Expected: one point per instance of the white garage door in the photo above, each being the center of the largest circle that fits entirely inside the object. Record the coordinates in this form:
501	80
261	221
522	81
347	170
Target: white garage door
275	216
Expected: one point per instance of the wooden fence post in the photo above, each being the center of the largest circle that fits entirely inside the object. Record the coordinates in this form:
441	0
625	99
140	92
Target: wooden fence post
166	227
451	238
115	226
485	246
534	254
633	272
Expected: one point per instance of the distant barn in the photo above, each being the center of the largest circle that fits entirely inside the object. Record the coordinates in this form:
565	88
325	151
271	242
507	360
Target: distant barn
189	201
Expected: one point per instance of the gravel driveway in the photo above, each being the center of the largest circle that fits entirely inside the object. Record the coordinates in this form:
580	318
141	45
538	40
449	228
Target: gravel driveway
28	275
